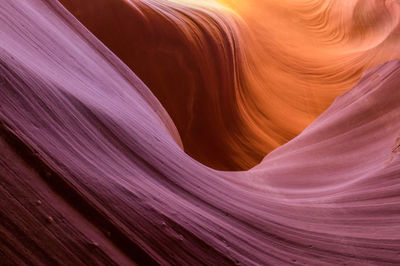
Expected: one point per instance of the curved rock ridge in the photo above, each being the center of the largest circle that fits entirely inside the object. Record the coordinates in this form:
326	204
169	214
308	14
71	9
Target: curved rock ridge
241	78
92	171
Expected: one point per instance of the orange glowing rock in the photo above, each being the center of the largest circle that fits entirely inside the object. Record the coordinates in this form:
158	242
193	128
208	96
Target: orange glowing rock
240	78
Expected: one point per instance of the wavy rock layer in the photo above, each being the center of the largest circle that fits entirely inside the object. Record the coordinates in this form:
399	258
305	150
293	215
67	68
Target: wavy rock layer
240	78
92	172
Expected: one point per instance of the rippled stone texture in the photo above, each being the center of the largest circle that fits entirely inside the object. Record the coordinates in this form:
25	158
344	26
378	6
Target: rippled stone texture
240	78
92	170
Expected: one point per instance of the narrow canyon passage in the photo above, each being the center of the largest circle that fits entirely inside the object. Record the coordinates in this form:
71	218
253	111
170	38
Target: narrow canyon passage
117	153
